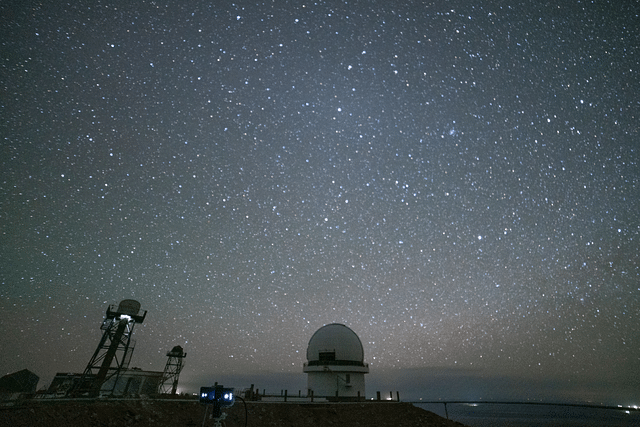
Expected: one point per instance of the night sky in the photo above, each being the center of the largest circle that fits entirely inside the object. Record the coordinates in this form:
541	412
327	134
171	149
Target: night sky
457	182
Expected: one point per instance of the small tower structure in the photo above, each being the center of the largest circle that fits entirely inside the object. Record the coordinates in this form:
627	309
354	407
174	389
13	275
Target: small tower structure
335	365
175	363
114	350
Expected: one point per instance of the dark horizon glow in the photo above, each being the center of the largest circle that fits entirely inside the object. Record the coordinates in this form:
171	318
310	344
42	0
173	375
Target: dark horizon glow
458	183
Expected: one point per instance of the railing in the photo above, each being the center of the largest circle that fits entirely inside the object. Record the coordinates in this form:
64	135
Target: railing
335	363
284	396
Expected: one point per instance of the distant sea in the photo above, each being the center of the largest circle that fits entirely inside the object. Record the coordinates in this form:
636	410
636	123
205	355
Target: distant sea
522	415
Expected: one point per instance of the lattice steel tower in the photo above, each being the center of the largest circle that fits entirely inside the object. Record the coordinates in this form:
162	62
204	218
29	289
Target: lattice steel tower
115	348
175	363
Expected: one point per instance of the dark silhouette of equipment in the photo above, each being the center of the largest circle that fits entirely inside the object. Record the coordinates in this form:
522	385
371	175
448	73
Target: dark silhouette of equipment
175	363
216	397
114	351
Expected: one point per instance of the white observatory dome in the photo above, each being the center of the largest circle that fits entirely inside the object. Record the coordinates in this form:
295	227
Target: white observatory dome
335	365
335	344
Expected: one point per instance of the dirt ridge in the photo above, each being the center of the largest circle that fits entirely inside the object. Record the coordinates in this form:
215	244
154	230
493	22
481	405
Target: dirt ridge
158	413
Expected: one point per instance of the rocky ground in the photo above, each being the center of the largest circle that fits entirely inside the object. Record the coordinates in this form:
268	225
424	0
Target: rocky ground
147	413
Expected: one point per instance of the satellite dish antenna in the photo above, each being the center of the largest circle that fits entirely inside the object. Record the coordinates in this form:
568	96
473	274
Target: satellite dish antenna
129	307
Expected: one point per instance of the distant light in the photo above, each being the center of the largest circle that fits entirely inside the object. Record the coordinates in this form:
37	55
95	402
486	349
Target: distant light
479	237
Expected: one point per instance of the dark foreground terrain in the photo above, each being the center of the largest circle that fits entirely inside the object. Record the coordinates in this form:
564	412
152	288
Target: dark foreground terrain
143	413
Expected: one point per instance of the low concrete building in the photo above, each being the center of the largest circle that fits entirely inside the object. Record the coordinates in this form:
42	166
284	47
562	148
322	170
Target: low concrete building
23	381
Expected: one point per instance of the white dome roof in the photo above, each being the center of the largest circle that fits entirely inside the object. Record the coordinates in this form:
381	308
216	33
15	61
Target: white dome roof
337	339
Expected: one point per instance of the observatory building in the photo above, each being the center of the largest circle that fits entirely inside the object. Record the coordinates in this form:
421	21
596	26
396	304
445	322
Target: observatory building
335	365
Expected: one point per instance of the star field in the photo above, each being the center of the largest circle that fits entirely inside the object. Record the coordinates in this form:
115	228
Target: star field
457	183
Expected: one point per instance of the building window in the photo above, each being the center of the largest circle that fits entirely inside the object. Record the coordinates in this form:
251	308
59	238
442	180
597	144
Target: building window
348	379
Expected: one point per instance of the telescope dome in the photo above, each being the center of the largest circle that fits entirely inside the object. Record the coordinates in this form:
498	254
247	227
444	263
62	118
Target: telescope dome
335	343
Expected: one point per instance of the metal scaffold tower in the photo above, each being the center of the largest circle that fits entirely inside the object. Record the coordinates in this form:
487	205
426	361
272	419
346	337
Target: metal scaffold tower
114	351
175	363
